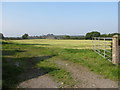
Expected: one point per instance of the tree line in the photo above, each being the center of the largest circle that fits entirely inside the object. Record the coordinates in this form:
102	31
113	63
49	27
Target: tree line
88	35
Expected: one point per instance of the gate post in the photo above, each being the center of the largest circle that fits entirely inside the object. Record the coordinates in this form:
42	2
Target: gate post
115	50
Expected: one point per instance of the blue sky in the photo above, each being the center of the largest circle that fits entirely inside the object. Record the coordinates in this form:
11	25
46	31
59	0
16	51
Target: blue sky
60	18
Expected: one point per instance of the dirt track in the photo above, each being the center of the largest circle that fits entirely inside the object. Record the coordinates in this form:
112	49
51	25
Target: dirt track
40	82
84	78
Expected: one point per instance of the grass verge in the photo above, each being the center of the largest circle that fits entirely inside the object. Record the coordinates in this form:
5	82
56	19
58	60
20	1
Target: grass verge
93	61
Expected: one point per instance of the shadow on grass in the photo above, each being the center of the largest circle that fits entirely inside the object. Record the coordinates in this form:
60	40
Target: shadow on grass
6	42
16	70
22	44
35	44
10	52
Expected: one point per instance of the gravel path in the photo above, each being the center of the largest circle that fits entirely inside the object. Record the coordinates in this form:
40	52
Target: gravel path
84	77
33	77
44	81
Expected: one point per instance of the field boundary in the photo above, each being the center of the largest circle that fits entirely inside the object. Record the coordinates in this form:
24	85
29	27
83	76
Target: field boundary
108	47
103	47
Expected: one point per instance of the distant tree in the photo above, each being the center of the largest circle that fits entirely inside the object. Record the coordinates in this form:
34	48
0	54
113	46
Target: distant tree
1	36
50	34
109	35
88	36
112	34
104	35
66	37
92	34
25	36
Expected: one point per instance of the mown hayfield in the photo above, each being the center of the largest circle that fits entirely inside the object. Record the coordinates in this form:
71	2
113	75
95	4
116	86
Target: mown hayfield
71	44
19	56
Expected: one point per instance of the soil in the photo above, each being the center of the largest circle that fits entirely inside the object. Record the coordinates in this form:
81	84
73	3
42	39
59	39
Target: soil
83	76
44	81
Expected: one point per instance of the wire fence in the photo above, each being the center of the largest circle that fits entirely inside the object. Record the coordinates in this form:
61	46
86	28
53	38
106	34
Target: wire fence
103	46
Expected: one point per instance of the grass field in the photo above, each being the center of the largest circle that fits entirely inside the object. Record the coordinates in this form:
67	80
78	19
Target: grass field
71	44
20	55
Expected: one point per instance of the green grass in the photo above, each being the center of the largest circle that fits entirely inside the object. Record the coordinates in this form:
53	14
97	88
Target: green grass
69	44
74	44
59	74
92	60
38	53
28	57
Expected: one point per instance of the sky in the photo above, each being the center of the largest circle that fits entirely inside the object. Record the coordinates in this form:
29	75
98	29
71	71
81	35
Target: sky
59	18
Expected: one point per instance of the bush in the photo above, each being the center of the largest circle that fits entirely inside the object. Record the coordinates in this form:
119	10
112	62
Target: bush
90	35
25	36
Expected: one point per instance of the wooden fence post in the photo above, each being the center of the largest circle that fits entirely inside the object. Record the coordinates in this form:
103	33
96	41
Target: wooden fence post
115	50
